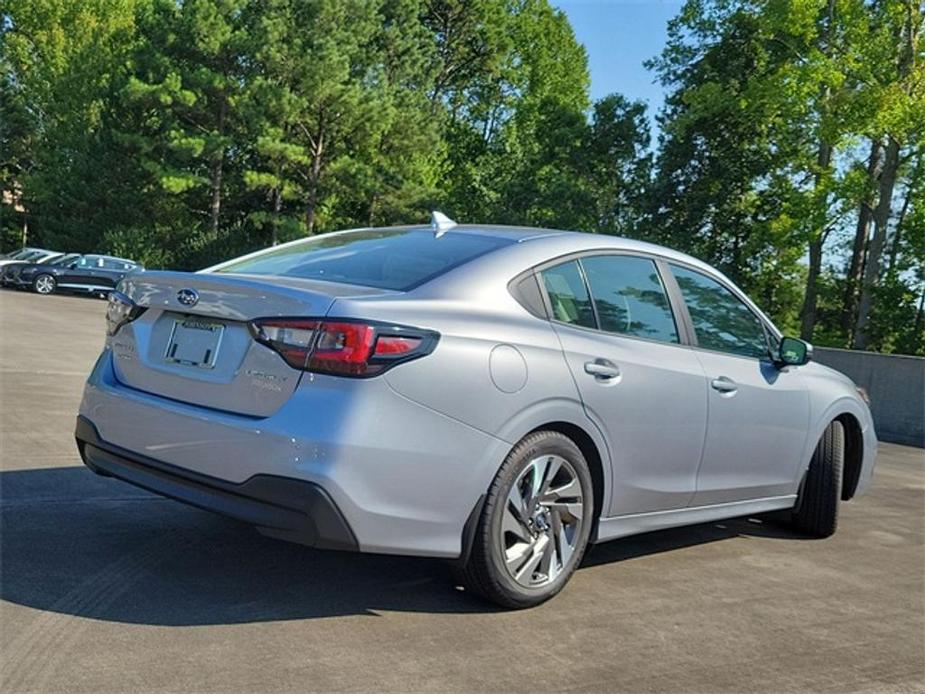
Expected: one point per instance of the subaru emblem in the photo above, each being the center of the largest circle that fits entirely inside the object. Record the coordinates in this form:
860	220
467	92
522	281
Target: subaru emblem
188	297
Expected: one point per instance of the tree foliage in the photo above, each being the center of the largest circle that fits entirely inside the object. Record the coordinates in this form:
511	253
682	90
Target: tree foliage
182	132
786	135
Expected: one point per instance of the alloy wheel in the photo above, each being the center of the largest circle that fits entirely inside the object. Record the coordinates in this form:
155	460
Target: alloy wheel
44	285
541	522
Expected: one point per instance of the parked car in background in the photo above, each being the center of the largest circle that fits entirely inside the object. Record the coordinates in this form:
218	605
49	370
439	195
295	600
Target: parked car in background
88	274
496	396
9	273
32	255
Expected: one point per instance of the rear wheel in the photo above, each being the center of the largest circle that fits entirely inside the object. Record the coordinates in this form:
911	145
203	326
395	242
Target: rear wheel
535	524
44	284
816	512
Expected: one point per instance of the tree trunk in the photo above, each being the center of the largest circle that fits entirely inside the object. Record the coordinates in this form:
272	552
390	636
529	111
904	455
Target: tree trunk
823	164
218	162
859	250
898	233
277	206
881	220
810	298
314	181
371	211
215	209
808	313
911	188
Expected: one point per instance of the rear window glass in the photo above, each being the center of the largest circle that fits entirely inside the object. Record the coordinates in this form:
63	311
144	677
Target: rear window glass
387	259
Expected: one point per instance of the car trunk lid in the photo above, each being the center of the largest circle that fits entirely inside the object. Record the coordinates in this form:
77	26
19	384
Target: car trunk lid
193	342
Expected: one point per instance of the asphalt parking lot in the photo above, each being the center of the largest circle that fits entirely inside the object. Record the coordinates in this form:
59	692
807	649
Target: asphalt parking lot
106	588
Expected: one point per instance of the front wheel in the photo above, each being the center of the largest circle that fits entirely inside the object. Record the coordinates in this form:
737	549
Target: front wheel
44	284
816	511
535	523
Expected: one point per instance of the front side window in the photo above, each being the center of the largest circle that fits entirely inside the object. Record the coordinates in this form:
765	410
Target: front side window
721	321
568	296
629	297
88	261
70	258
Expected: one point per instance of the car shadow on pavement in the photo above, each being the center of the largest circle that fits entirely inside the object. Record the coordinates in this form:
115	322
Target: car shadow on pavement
78	544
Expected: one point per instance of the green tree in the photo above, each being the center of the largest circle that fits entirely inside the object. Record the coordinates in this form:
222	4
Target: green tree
340	108
896	94
62	63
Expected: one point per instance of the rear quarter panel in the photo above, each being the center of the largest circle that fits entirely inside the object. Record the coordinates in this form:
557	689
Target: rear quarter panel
497	369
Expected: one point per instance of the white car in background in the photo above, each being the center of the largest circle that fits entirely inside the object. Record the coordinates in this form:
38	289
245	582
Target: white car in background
30	255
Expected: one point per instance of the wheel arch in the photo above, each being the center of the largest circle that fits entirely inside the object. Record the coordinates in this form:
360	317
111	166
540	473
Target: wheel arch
592	455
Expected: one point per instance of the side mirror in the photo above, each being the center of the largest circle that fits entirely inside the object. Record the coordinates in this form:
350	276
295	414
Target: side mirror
794	352
73	265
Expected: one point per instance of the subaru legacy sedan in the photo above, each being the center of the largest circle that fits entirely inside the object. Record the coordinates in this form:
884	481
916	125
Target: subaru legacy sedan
500	397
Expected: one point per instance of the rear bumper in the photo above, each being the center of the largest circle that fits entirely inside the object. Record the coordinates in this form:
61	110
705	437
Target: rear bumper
403	477
288	509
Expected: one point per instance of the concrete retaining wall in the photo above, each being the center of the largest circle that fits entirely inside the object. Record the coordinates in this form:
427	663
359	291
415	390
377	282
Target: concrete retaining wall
896	385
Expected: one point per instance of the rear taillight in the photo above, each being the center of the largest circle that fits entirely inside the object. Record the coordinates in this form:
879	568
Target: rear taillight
121	310
342	347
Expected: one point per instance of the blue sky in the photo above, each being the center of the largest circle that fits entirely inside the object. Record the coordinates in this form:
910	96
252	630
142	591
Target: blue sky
619	35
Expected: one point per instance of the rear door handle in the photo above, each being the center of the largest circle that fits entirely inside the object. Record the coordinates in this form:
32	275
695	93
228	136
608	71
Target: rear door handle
602	369
724	385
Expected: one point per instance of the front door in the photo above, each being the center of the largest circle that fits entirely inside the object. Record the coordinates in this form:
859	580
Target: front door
80	273
638	383
758	413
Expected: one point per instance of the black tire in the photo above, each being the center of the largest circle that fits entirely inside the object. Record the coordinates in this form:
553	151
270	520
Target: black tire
44	284
816	511
485	573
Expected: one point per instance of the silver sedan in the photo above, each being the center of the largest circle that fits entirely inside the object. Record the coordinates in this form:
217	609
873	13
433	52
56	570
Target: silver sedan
500	397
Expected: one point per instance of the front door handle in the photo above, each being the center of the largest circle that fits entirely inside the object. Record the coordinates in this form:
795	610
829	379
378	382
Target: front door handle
724	385
602	369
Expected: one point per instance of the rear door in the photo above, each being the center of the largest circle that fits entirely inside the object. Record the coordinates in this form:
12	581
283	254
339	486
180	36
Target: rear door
639	383
758	414
111	271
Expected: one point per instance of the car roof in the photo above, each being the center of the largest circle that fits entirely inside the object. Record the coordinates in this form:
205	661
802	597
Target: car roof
562	242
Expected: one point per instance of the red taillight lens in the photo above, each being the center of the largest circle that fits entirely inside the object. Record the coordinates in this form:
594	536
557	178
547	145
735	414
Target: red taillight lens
342	347
392	344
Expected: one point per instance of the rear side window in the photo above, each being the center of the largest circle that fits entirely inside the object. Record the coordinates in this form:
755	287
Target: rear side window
568	296
629	297
115	264
398	259
721	321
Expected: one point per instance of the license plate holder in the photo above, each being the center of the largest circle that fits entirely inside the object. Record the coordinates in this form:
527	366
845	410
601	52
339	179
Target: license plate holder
194	342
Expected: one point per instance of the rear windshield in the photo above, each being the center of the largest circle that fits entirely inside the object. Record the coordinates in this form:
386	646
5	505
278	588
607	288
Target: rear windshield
398	259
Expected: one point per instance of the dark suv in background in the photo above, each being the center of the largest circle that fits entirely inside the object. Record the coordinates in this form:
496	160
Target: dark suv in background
89	274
